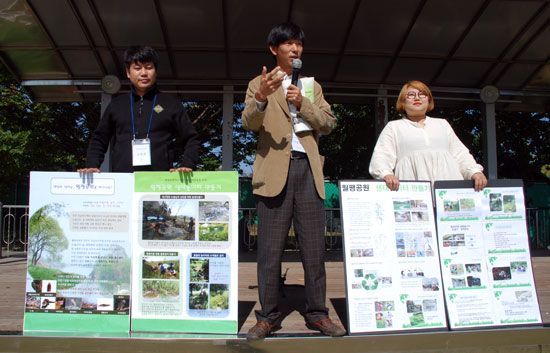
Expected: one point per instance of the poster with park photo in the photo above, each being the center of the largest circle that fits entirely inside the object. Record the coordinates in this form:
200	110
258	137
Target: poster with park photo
393	277
185	252
78	268
485	258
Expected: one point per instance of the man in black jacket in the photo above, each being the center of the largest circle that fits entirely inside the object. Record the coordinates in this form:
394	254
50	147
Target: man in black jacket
144	124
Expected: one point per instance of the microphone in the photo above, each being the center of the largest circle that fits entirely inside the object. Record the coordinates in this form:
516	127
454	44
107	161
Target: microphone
296	66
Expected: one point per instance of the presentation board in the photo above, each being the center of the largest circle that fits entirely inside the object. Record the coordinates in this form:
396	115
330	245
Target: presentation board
393	278
78	268
485	258
185	252
146	252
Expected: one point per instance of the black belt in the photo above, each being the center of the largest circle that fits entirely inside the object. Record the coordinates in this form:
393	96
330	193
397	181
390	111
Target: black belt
297	155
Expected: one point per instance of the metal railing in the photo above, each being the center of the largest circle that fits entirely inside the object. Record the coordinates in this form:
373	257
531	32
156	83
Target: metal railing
15	227
15	220
248	230
538	227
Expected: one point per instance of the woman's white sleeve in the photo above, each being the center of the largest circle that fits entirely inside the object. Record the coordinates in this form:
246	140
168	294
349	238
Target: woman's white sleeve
384	157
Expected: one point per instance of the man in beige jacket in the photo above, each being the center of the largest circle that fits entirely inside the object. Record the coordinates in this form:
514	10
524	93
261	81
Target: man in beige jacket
288	180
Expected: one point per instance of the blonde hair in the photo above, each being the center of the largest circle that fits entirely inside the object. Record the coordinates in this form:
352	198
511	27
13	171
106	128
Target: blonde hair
421	86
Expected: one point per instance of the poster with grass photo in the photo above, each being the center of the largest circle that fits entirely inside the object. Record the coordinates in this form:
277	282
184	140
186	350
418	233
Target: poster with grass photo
78	267
485	259
185	253
393	278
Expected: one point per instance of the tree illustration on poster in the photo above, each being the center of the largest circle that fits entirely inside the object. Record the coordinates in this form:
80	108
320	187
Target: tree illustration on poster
46	238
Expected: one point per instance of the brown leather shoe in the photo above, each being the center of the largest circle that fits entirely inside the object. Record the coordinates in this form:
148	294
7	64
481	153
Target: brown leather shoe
327	327
261	330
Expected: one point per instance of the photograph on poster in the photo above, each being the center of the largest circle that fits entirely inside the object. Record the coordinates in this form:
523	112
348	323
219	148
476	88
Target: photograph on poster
60	303
502	273
473	268
32	302
199	270
214	211
160	291
385	281
358	272
524	296
429	305
419	204
166	267
73	303
402	216
415	309
430	284
49	286
451	205
90	304
414	244
198	296
213	231
509	203
519	266
362	252
420	216
122	302
412	272
495	202
105	304
401	205
384	319
168	220
453	240
458	282
467	204
473	281
456	269
47	303
219	297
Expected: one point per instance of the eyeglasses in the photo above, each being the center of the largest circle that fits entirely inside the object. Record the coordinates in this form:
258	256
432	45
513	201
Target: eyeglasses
413	95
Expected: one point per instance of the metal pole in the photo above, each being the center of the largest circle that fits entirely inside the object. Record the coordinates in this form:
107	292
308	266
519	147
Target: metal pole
227	133
106	165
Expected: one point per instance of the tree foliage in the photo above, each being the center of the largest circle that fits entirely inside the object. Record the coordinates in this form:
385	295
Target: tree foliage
40	136
523	147
45	235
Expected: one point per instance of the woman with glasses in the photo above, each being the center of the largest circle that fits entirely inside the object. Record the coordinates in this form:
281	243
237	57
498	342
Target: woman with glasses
419	147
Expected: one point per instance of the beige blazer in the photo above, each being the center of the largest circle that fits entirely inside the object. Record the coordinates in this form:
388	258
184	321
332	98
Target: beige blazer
275	138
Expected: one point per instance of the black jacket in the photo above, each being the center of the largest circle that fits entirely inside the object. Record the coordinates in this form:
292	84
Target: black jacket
170	121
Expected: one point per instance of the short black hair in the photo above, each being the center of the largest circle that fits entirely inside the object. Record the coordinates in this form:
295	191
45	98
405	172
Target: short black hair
142	54
283	32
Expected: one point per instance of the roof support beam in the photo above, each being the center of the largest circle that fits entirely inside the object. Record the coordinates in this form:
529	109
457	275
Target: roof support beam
403	40
106	37
516	38
351	22
89	38
457	44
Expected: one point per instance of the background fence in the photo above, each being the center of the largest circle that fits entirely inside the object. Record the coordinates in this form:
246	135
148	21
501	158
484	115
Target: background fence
15	219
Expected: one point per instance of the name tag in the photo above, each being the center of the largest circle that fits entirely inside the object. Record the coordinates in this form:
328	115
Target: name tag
141	152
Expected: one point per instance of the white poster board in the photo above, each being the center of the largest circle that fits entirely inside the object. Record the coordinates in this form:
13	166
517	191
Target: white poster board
485	258
185	252
393	278
78	269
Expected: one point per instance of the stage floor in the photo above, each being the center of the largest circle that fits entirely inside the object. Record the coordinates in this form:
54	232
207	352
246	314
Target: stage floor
12	292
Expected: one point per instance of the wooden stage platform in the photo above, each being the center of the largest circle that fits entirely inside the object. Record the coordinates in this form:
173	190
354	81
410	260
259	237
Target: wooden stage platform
293	336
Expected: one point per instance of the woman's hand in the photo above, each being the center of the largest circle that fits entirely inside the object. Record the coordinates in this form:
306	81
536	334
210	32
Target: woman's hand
392	182
480	181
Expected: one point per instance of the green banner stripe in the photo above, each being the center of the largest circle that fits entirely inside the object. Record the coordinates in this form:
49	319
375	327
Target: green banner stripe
76	322
191	326
193	182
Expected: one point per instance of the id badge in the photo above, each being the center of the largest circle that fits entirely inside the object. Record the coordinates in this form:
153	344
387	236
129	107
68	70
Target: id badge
141	152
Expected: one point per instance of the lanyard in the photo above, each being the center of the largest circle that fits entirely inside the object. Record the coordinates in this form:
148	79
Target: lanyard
150	119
